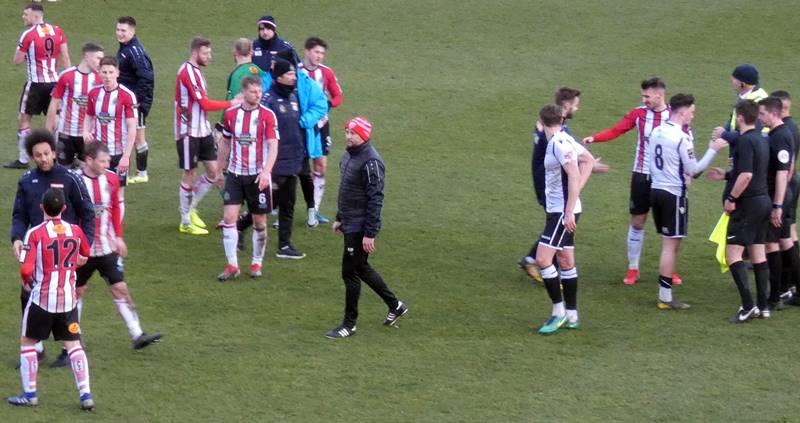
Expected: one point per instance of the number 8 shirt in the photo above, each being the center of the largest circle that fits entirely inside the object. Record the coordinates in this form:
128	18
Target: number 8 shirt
49	260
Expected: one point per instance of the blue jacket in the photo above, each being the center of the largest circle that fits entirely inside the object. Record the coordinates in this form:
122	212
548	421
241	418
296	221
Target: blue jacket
31	187
313	107
136	71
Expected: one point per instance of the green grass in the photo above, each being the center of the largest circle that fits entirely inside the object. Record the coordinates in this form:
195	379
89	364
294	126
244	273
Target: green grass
452	88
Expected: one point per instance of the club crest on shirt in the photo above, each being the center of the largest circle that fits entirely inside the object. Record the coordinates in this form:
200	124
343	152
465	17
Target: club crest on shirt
253	70
59	229
295	107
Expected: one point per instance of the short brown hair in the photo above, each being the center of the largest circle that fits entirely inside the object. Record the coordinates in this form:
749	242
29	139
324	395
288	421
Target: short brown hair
94	149
127	20
654	82
250	80
198	42
772	104
565	94
243	46
91	47
35	7
748	110
551	115
312	42
109	61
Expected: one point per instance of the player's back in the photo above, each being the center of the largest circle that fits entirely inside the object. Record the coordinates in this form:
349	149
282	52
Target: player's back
41	44
667	166
49	260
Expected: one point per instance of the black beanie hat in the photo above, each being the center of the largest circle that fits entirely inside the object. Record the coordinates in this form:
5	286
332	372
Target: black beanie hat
280	67
746	73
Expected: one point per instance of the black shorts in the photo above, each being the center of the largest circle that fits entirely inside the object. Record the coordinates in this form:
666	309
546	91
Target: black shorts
109	267
123	177
244	188
192	150
749	223
670	213
640	193
776	234
555	235
38	323
325	137
69	148
35	98
143	111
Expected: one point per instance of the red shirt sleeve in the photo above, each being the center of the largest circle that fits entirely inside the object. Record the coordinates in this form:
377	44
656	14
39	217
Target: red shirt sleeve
62	38
25	41
333	88
116	204
213	105
624	125
271	132
127	107
85	250
28	257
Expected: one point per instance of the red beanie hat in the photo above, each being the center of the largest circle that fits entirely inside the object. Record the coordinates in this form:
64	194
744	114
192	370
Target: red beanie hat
360	126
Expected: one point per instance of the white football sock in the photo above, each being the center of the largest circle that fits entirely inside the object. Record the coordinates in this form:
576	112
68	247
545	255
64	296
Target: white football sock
572	315
80	369
128	313
28	368
635	244
319	188
185	202
230	237
39	347
23	154
558	309
259	245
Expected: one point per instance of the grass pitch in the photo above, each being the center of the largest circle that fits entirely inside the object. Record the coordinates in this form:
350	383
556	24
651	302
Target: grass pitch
452	88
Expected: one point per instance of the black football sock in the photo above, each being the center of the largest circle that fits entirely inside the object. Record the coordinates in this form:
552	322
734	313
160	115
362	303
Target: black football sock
739	273
774	259
761	271
569	281
552	282
244	221
141	158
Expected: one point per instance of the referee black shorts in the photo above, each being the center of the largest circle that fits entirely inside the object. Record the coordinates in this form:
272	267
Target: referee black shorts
749	223
640	193
555	235
670	213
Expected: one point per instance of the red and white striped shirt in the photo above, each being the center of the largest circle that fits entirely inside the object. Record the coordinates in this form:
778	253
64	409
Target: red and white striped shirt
106	199
41	44
112	108
645	120
326	79
248	132
49	260
190	88
73	89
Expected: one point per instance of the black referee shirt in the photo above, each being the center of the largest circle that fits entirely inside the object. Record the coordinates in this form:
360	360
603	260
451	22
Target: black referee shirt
781	154
751	154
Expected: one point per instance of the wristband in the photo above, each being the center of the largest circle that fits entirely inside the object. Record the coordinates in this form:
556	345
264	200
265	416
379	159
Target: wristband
731	198
777	206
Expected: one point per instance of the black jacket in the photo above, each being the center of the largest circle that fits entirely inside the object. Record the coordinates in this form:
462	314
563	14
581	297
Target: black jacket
361	190
264	52
136	71
31	187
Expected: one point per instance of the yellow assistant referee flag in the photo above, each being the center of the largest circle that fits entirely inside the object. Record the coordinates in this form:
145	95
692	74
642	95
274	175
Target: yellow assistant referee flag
719	236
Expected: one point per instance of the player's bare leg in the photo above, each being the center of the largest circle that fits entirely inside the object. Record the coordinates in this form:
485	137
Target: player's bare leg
185	196
259	244
666	267
635	245
127	311
201	188
230	237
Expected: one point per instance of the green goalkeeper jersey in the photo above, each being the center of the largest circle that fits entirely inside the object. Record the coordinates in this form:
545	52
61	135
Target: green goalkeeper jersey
235	79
